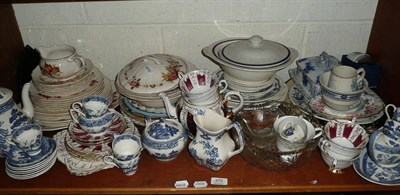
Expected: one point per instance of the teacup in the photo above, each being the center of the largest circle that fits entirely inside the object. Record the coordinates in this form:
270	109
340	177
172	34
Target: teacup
391	129
92	106
126	146
396	112
291	133
381	153
342	142
345	78
93	125
28	138
127	167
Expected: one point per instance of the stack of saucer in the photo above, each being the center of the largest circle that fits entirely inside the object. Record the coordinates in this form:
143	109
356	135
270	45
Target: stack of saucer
19	165
140	82
52	97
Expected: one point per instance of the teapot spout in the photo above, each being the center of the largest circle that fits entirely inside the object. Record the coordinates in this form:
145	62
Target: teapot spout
171	109
26	101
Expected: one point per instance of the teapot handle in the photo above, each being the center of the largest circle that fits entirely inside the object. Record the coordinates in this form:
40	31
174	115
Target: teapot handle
240	136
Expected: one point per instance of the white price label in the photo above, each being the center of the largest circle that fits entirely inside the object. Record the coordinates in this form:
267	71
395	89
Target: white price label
200	184
181	184
219	181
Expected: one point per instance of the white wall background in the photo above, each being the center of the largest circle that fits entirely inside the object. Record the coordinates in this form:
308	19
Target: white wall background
112	34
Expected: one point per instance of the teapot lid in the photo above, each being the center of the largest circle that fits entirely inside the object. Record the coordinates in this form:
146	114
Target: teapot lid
5	94
164	129
256	51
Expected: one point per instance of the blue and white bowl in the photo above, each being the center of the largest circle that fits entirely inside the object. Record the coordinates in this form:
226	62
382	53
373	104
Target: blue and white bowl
339	100
164	139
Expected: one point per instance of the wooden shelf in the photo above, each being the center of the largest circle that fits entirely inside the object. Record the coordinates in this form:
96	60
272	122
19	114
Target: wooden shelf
154	176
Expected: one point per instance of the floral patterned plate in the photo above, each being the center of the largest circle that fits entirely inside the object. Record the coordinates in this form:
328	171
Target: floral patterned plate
370	171
371	111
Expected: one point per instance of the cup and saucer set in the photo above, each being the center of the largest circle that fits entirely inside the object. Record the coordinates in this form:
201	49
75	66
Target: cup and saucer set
31	154
333	91
87	140
379	163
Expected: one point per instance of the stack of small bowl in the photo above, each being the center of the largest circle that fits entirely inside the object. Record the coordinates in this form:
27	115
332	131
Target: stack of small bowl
141	81
250	65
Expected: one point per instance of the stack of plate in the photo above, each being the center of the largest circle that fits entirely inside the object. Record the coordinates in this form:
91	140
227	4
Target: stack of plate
52	97
21	166
141	81
83	152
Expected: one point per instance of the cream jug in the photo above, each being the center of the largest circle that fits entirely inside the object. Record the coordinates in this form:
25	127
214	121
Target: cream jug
212	146
60	61
11	116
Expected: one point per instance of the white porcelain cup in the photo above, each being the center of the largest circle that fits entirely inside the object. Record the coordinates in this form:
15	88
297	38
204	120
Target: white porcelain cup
291	133
345	78
91	106
126	146
28	138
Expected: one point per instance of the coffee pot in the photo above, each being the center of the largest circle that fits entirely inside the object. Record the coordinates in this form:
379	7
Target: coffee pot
11	116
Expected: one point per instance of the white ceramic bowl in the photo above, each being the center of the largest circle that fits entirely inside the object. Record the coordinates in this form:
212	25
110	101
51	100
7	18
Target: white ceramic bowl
338	100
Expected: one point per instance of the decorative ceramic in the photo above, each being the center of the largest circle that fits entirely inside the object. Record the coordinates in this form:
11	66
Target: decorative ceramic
28	138
84	160
370	171
252	59
92	106
94	125
291	133
391	129
297	98
382	153
127	167
21	166
212	146
11	116
346	78
152	74
308	70
396	112
340	100
126	146
369	111
164	139
60	61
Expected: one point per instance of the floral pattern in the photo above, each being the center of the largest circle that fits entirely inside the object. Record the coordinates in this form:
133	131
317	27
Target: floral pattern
49	69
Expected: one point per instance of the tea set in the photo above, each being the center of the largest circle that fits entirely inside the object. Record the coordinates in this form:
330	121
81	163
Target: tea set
212	115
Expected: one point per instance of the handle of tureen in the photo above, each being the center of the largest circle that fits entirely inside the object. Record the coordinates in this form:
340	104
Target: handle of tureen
26	101
171	110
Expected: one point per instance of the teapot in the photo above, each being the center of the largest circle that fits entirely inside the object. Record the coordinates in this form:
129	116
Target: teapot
60	61
11	116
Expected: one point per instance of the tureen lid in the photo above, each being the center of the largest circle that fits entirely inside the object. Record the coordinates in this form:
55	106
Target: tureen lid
164	129
5	94
152	73
255	51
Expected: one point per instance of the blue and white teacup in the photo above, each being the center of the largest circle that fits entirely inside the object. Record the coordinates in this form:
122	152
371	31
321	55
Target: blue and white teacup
94	125
396	112
126	146
127	167
382	153
391	128
28	138
91	106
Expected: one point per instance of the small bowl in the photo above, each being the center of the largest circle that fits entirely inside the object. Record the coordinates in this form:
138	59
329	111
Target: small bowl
339	100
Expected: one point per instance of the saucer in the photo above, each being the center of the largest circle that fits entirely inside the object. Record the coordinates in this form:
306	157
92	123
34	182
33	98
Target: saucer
144	112
17	158
371	110
370	171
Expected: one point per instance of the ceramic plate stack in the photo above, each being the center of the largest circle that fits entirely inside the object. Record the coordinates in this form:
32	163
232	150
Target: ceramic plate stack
21	166
52	97
82	152
141	81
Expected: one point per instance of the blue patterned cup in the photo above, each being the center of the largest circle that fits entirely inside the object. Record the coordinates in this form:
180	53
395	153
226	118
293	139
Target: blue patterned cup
91	106
126	146
28	138
127	167
93	125
382	153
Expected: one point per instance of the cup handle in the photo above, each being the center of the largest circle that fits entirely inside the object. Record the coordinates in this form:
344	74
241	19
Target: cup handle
240	136
360	74
78	106
82	60
74	116
223	85
387	111
318	132
235	93
109	159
